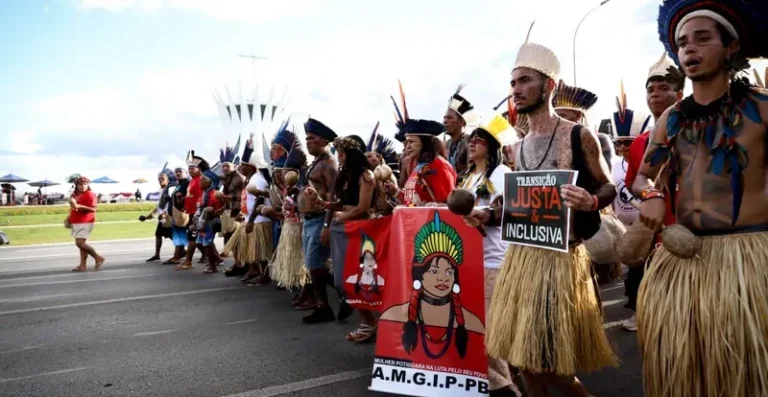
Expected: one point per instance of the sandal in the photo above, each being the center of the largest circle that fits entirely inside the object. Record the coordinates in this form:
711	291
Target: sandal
184	267
210	270
304	306
362	334
172	262
79	269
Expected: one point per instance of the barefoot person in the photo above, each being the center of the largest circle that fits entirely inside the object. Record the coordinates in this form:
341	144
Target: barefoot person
546	318
664	87
703	322
82	216
313	199
167	181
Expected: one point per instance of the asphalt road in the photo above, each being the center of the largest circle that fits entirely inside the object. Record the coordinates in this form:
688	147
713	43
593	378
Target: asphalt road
139	329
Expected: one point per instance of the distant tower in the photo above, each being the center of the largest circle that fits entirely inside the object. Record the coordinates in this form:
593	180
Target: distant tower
251	107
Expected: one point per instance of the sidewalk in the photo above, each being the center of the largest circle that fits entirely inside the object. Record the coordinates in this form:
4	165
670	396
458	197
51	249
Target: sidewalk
61	224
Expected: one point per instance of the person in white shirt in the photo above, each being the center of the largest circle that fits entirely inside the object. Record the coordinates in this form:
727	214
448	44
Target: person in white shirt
485	179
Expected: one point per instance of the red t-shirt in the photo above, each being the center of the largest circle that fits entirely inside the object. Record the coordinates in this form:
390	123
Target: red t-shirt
212	201
194	193
636	154
439	175
88	199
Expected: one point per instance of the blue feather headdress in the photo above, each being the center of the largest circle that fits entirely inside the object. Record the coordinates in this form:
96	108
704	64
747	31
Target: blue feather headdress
573	98
746	17
400	116
287	140
229	154
248	150
408	126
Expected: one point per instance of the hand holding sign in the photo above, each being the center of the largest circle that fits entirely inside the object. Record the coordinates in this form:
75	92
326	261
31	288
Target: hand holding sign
577	198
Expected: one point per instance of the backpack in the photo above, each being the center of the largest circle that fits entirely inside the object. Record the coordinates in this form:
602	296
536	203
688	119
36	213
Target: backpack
586	223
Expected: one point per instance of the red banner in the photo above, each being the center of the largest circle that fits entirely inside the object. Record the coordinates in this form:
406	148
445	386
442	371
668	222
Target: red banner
430	340
364	247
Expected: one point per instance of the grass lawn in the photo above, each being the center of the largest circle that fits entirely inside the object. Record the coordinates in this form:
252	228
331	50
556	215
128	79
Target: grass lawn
48	219
115	231
63	209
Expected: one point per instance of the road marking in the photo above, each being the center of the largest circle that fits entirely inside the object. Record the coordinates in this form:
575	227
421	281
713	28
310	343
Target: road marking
615	287
22	349
64	371
305	384
118	300
613	302
36	298
241	322
62	275
77	281
72	254
168	331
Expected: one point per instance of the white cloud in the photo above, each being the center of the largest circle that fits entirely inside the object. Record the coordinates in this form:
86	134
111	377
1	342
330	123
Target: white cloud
24	142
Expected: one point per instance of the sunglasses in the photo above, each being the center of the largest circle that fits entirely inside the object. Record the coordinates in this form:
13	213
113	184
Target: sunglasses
623	142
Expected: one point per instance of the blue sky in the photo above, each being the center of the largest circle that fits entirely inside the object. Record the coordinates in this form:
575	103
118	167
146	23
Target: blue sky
117	87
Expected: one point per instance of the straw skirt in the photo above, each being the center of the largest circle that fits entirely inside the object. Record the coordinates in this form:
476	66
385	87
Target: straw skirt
287	268
252	247
546	316
703	322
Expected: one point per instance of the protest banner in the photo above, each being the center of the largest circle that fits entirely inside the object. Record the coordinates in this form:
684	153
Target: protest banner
534	212
430	340
363	246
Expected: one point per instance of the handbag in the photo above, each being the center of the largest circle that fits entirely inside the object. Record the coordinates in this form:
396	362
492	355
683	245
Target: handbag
180	218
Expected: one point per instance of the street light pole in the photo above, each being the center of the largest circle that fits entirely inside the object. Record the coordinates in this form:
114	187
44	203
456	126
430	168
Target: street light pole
604	2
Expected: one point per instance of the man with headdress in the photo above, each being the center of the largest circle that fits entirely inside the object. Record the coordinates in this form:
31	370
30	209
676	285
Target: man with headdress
703	321
232	188
546	317
454	121
167	180
196	165
664	87
314	196
573	103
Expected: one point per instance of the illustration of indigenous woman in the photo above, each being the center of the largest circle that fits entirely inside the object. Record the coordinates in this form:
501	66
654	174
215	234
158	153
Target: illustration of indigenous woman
434	317
367	282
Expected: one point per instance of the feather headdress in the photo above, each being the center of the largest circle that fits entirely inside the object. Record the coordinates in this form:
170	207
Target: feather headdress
624	121
229	154
384	147
537	57
196	161
573	98
401	115
743	19
459	104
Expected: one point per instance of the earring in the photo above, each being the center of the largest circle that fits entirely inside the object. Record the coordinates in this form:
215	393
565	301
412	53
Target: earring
456	289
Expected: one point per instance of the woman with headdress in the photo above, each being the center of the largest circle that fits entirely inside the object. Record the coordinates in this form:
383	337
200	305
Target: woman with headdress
354	189
434	322
287	267
485	179
431	178
168	182
82	216
240	244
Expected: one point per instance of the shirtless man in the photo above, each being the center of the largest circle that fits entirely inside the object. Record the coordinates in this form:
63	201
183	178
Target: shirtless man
313	201
703	322
530	276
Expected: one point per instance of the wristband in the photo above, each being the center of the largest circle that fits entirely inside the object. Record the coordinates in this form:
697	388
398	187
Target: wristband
647	191
653	195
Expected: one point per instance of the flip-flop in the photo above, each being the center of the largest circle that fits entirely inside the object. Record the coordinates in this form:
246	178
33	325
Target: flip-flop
99	264
171	262
182	267
78	270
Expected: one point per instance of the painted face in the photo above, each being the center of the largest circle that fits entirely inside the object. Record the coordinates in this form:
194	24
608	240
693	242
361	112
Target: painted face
622	146
369	262
373	159
701	50
315	144
205	183
528	89
276	151
439	279
478	149
412	145
453	122
571	115
660	96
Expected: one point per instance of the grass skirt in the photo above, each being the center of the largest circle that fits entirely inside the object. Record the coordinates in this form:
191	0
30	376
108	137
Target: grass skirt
703	322
546	317
228	248
252	247
287	268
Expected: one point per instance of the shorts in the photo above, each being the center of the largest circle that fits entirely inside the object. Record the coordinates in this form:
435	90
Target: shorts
315	254
206	237
164	232
191	233
82	230
179	236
